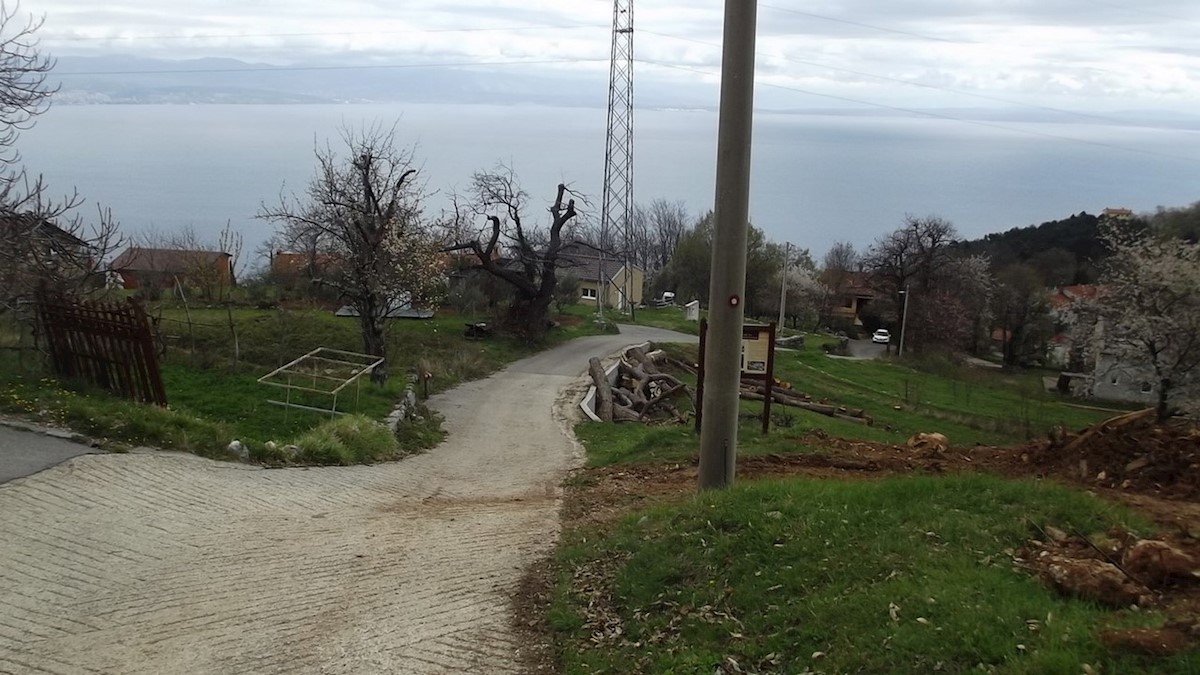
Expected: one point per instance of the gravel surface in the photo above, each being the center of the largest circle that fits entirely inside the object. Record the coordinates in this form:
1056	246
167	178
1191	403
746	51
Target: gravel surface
164	563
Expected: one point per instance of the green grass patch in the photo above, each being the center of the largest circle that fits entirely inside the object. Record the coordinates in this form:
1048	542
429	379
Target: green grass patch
970	406
350	439
214	396
904	575
670	318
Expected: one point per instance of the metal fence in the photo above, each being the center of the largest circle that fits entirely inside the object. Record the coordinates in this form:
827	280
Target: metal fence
108	344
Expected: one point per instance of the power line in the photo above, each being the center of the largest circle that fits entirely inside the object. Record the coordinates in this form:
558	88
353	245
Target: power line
387	66
898	80
942	116
1137	10
932	38
860	24
229	36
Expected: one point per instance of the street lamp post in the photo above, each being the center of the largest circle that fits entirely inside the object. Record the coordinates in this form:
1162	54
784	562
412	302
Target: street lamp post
903	322
787	248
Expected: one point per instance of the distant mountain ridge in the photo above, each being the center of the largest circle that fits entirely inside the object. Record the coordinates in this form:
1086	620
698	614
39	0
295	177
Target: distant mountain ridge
133	79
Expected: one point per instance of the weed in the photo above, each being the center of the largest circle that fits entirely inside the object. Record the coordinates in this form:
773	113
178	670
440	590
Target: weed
350	439
905	575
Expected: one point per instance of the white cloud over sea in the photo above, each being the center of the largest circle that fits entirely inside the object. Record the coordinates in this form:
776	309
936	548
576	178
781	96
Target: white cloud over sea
1079	54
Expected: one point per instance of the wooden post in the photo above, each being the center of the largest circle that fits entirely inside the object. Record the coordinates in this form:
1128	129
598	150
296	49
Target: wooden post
233	331
766	420
700	375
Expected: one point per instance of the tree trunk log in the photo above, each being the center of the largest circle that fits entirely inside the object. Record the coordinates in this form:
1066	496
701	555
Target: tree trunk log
820	408
604	395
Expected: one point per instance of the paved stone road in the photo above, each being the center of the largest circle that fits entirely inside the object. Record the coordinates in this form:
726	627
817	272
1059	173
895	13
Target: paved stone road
173	564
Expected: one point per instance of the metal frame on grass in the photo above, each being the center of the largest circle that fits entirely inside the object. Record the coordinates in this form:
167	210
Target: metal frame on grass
320	366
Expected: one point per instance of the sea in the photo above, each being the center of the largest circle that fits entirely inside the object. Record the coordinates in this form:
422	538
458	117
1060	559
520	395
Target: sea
817	177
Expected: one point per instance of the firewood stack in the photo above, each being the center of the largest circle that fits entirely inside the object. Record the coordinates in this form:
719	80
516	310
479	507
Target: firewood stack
642	393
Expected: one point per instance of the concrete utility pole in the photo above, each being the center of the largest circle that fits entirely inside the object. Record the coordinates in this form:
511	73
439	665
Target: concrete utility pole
903	321
787	246
722	360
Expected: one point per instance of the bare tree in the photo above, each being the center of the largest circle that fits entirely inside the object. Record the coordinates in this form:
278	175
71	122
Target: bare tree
364	210
532	262
916	257
46	242
24	93
1021	309
198	261
839	262
667	223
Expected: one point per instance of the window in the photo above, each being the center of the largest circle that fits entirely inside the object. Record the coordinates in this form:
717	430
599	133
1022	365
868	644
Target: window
1147	388
587	293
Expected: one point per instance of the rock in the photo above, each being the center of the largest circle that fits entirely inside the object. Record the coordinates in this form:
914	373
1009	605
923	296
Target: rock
774	514
1094	580
1155	562
1055	534
924	441
795	341
291	451
237	448
1137	465
271	446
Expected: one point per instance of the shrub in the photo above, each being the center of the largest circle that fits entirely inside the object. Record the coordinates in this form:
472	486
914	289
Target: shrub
350	439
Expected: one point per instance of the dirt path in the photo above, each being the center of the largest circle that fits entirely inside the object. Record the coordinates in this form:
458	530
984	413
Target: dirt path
174	564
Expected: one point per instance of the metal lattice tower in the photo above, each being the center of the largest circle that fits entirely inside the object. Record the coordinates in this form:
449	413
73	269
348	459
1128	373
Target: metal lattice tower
618	145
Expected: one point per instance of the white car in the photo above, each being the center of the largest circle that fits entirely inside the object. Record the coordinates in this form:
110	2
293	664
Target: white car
881	337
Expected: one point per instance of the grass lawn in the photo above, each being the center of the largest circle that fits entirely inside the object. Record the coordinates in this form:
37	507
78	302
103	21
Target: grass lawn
213	392
670	318
970	406
903	575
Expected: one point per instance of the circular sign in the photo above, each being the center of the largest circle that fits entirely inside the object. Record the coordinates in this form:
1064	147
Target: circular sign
734	300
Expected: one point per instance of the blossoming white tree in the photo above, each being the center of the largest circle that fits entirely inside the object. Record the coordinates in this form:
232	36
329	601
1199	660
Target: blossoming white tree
1149	314
363	211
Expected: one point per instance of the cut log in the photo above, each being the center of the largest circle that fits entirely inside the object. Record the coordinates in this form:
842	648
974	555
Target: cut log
604	396
686	367
623	414
827	410
1107	425
638	356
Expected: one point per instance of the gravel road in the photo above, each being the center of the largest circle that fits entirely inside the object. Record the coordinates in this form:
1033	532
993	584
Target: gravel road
165	563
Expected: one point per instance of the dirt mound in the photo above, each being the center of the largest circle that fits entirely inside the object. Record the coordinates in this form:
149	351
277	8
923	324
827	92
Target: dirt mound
1119	570
1131	452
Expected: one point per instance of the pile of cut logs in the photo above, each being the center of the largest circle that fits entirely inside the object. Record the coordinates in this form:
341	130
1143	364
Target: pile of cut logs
643	393
752	389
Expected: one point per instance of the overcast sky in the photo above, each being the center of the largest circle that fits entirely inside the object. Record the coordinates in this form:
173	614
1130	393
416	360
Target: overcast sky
1078	55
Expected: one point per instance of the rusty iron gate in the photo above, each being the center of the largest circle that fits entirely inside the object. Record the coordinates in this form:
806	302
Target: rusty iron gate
108	344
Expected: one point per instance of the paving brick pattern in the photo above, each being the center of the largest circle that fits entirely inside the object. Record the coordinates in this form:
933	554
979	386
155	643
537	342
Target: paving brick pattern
165	563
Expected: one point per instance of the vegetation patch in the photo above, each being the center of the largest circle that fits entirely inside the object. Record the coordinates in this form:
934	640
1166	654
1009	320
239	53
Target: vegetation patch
902	575
214	395
970	406
350	439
